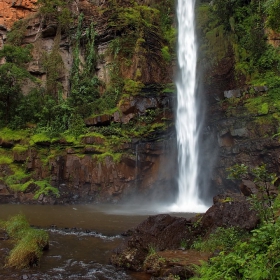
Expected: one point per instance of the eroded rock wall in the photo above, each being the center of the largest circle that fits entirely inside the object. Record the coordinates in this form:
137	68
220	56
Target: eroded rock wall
14	10
242	136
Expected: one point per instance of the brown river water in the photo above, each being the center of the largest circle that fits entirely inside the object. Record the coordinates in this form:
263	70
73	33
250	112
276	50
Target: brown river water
82	238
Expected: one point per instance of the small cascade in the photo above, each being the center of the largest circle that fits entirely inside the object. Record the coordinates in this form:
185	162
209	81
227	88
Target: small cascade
187	125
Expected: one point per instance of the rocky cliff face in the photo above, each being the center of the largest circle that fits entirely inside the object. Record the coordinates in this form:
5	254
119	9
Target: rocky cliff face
89	172
244	134
146	167
128	46
11	11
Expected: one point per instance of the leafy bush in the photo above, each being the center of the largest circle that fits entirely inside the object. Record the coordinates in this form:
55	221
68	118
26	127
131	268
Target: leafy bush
263	202
257	258
272	9
45	188
223	239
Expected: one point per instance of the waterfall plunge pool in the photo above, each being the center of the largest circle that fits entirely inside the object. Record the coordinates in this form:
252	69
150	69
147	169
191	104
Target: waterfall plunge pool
82	238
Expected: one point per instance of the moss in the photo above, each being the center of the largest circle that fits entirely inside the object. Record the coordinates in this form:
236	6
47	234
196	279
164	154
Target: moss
7	134
29	242
263	109
154	262
40	138
116	157
20	149
132	87
166	54
169	88
70	139
5	159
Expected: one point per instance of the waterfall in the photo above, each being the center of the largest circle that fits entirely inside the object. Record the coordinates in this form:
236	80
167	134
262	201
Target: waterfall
187	126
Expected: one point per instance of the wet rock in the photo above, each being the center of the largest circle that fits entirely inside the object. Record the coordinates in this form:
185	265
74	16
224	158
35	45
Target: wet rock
164	234
20	156
4	191
89	140
98	120
232	93
248	187
230	210
49	31
160	232
241	132
7	143
261	88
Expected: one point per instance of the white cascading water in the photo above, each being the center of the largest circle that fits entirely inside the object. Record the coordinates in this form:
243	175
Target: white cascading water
186	124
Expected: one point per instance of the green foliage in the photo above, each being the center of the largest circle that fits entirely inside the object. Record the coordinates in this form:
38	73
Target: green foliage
116	157
166	54
15	226
29	242
84	82
54	66
223	239
16	54
135	17
237	171
29	110
16	181
76	125
17	33
57	9
132	87
262	203
256	258
12	75
45	188
20	149
272	9
7	134
5	159
152	250
40	138
53	119
226	28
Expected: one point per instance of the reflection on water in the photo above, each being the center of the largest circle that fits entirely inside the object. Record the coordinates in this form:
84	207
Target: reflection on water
81	240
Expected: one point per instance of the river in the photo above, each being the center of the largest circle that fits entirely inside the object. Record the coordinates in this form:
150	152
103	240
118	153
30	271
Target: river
82	238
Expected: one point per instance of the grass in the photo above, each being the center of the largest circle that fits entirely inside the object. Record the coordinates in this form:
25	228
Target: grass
30	242
221	239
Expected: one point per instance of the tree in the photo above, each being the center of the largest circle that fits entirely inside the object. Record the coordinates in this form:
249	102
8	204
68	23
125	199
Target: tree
12	75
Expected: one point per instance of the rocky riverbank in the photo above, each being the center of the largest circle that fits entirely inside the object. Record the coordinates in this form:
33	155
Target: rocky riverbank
162	245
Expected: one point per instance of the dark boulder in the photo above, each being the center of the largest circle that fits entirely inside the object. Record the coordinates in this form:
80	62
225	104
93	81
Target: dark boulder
160	232
230	210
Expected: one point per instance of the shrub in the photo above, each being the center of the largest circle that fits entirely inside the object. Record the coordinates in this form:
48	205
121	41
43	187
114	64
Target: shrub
222	239
253	259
